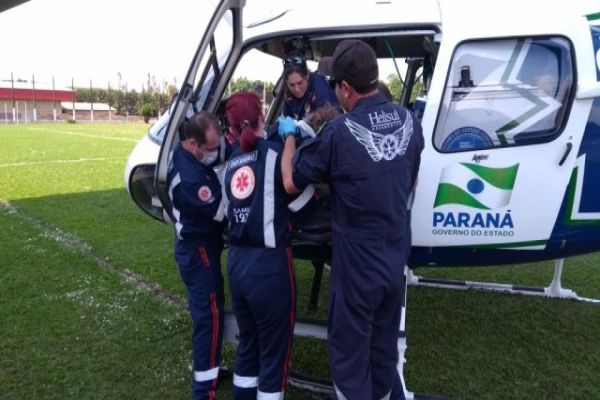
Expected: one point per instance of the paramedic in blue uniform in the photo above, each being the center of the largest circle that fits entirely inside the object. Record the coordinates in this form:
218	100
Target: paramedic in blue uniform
259	266
304	91
197	213
370	157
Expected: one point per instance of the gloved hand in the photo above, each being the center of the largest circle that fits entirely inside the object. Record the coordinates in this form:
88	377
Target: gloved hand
286	126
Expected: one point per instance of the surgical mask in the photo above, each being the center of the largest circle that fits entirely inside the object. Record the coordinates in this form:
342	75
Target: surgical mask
210	157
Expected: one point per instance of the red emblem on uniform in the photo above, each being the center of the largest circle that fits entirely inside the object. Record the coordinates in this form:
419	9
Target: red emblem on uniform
242	183
204	193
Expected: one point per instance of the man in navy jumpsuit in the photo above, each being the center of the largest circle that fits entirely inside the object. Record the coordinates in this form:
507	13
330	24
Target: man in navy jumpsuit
370	156
197	213
260	269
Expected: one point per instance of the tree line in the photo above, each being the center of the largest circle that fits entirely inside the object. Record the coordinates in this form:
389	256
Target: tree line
128	102
153	101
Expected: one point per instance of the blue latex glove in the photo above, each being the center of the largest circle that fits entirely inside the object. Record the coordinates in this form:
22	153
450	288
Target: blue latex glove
286	126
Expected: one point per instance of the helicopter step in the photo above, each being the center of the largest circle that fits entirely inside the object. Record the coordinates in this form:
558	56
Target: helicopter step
554	290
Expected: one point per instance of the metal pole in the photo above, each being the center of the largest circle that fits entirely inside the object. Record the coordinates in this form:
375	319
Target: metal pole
34	105
5	113
53	99
109	104
91	103
126	105
73	94
12	84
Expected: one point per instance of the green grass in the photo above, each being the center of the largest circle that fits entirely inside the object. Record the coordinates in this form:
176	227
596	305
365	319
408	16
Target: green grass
71	328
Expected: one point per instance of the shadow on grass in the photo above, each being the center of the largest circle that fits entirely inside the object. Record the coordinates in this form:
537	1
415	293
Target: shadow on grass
468	345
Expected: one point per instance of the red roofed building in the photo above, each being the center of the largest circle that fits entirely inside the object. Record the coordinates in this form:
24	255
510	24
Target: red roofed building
26	100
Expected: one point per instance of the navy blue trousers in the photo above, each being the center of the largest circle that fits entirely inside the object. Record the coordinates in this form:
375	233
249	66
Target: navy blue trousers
366	293
263	293
199	264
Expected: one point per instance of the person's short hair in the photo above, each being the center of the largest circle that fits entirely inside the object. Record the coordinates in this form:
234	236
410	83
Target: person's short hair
355	62
197	126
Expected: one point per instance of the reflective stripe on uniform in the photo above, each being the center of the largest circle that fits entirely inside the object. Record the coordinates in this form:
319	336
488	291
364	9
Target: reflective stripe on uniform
269	199
220	214
387	396
245	381
176	214
208	375
301	200
339	394
269	396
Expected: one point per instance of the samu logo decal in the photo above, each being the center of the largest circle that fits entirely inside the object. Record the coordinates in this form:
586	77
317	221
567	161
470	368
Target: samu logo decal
242	183
476	186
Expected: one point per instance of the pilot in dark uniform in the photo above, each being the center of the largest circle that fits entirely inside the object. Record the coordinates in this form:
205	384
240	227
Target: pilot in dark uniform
259	266
370	156
197	214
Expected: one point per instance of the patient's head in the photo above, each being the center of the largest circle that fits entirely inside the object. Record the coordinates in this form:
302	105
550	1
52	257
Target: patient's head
320	116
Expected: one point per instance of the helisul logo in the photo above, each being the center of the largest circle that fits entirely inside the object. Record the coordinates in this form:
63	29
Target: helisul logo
476	186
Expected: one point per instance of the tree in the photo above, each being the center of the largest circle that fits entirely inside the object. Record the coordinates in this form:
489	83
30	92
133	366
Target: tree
395	86
147	110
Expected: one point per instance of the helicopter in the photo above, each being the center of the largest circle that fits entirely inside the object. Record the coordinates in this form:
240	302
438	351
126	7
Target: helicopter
510	113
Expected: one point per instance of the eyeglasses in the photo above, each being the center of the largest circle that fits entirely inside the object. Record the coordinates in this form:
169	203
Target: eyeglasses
333	82
294	60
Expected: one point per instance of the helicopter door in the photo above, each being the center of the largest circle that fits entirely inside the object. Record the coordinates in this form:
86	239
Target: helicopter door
497	164
203	85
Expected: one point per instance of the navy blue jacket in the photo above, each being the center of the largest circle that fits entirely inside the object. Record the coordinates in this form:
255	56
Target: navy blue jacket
258	207
195	195
318	93
370	156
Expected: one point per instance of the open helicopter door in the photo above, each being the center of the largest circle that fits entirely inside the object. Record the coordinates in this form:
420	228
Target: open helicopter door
214	58
503	123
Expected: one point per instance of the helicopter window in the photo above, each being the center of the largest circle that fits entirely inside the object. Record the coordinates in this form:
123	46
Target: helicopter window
405	61
505	92
213	61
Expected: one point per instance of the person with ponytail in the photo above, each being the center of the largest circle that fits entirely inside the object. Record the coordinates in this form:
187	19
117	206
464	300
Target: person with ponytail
259	265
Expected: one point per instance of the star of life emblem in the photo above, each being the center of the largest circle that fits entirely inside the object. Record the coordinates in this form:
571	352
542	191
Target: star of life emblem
379	146
204	193
242	183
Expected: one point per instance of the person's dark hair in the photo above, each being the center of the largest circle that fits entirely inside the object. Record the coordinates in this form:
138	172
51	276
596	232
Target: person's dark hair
244	113
294	64
320	116
383	89
198	125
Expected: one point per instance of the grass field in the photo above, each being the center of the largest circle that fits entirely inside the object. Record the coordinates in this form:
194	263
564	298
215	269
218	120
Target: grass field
91	305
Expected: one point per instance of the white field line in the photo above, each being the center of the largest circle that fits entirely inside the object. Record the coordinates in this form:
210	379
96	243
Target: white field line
72	243
85	135
78	160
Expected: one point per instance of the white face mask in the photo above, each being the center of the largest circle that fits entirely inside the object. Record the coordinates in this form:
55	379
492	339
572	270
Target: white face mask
210	157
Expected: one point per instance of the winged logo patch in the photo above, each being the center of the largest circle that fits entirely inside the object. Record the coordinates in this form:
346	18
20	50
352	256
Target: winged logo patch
380	146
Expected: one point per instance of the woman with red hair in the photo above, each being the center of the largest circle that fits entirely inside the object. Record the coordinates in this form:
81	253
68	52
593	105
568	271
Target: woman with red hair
261	273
